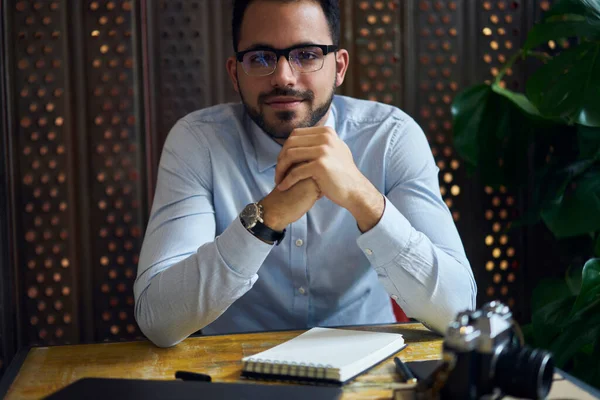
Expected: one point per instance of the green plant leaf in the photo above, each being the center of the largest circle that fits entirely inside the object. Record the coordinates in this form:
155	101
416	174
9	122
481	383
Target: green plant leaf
573	8
586	366
544	32
493	132
518	99
548	321
568	86
551	303
588	139
468	109
573	279
556	182
547	291
590	284
578	332
569	332
550	184
576	212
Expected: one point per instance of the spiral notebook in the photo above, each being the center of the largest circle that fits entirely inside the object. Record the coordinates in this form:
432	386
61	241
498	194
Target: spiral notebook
323	355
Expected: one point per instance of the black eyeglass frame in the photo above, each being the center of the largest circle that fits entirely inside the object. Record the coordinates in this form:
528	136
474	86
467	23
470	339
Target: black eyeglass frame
326	48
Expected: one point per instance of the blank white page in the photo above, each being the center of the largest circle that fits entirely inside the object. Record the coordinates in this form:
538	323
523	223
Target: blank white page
335	347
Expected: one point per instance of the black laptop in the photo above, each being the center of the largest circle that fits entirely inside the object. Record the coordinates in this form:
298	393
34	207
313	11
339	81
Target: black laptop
115	389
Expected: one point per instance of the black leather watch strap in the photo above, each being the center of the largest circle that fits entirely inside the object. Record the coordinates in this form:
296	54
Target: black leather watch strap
263	232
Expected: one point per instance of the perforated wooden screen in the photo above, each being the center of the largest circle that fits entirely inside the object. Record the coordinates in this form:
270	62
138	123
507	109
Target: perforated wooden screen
76	149
91	88
43	185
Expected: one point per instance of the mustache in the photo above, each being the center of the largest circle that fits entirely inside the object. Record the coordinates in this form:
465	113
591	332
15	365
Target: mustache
304	95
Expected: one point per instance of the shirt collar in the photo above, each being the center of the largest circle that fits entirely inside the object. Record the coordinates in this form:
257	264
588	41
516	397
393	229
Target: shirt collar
266	149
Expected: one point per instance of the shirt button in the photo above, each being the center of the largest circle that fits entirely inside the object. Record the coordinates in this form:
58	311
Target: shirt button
299	242
368	251
301	290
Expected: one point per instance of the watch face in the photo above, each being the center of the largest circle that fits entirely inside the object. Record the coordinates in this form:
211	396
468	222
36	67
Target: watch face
249	215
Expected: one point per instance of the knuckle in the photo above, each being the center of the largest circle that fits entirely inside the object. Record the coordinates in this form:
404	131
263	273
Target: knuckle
323	150
321	164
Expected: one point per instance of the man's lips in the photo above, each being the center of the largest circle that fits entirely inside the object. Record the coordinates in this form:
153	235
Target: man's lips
283	103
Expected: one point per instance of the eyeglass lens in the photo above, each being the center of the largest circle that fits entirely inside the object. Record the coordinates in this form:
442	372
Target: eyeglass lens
264	62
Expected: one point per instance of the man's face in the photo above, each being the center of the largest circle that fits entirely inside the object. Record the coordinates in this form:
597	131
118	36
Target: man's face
287	99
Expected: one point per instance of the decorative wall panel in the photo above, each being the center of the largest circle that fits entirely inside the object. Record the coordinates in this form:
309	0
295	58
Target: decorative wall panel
114	149
377	49
75	145
44	184
437	76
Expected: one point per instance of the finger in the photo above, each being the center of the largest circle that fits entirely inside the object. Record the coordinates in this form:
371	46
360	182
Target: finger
313	130
296	175
305	141
293	156
297	155
306	131
320	194
297	142
318	139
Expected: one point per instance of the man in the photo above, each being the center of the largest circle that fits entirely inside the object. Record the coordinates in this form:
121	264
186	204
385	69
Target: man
296	208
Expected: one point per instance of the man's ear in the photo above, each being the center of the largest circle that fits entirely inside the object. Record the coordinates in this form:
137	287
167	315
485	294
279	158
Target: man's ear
231	66
342	60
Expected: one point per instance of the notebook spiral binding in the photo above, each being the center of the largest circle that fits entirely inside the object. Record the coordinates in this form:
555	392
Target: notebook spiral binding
292	369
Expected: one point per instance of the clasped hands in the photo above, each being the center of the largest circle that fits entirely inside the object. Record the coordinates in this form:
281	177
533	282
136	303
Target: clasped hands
313	163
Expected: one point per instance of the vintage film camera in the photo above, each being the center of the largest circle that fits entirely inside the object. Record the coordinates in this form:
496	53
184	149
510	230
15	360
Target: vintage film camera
485	356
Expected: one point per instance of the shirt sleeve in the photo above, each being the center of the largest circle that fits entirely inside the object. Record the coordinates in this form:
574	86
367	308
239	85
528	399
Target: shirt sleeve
415	247
187	277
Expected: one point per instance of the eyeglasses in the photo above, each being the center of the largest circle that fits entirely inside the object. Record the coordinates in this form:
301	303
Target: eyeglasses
262	61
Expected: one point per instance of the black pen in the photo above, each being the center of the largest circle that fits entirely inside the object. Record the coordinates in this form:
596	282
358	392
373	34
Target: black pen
404	371
192	376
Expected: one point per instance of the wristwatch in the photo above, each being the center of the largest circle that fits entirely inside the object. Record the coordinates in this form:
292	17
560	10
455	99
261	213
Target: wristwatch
252	219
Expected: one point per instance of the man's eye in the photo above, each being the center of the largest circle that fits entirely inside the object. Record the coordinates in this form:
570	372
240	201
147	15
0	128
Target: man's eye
257	59
261	58
307	55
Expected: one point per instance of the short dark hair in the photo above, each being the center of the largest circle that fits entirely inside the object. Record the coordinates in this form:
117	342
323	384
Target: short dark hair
331	9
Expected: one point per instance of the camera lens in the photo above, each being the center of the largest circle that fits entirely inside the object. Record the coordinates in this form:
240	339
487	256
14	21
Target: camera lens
524	372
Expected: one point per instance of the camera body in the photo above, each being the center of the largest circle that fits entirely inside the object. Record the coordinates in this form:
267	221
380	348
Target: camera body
485	357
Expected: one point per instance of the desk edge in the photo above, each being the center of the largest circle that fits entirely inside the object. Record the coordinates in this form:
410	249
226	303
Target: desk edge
580	384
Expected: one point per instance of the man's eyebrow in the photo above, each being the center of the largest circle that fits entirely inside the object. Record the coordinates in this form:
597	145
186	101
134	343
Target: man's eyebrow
258	46
264	46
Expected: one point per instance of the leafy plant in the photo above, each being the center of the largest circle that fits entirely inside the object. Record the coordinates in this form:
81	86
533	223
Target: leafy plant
548	141
566	321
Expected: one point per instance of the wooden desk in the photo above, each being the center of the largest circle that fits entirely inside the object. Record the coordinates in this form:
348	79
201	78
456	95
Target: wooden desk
48	369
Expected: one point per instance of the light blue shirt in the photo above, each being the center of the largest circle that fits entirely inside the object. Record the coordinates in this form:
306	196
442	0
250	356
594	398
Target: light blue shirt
201	269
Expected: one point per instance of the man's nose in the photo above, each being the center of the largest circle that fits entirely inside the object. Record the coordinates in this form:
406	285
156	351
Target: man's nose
283	75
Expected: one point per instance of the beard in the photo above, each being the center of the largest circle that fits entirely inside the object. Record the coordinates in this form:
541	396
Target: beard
281	127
